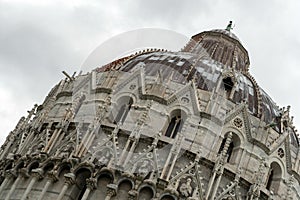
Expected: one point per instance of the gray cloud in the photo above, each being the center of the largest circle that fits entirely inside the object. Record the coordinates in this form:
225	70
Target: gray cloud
40	39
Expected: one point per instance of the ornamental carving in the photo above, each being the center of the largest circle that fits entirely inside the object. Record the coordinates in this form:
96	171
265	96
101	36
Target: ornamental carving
238	122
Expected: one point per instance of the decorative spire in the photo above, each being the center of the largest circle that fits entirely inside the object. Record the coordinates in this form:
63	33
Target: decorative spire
229	26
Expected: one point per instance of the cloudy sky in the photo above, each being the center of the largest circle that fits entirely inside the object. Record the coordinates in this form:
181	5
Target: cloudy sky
39	39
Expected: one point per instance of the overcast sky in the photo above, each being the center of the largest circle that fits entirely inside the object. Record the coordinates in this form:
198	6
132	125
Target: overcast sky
39	39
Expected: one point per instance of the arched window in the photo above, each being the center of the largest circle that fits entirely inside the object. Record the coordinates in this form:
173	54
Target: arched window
228	85
81	176
123	110
274	177
233	151
174	127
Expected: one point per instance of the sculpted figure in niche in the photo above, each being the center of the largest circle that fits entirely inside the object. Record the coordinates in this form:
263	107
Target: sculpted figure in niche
37	149
66	151
186	189
67	116
144	167
230	196
105	156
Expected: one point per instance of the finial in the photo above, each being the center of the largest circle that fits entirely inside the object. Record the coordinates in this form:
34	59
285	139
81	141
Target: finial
229	26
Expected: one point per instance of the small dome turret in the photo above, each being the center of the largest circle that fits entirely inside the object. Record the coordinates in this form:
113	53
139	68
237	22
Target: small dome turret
222	46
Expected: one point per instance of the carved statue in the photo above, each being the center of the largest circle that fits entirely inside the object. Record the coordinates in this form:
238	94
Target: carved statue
229	26
144	168
66	151
68	115
186	189
285	119
37	149
105	156
230	196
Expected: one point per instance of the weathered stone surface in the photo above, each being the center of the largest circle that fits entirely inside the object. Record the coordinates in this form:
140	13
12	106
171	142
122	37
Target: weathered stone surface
157	125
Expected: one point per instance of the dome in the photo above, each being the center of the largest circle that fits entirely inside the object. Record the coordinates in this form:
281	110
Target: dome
210	58
222	46
207	74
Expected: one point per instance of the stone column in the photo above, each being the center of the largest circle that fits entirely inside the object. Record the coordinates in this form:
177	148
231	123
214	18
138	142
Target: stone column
218	169
22	173
9	175
132	195
254	191
50	179
4	183
49	144
37	174
122	157
13	187
91	185
70	180
111	191
166	172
